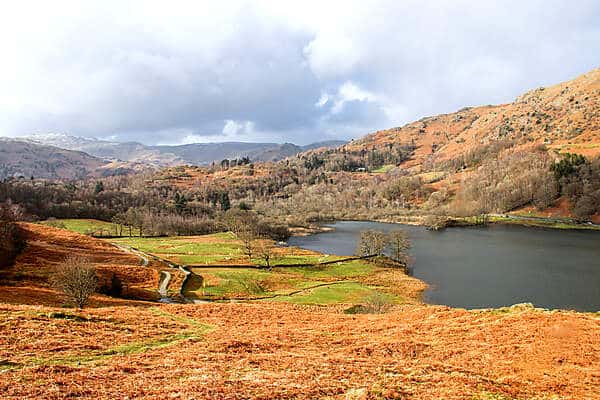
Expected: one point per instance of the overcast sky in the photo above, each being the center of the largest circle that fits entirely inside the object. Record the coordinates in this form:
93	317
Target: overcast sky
181	72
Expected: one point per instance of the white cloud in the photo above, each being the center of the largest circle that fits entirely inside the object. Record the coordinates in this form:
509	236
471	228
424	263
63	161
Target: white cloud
351	92
322	100
276	70
234	128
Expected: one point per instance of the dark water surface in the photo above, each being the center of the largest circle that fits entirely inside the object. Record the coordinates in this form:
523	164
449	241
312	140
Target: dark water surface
493	266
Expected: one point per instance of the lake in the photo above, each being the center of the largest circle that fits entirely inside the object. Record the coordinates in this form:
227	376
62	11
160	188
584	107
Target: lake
491	266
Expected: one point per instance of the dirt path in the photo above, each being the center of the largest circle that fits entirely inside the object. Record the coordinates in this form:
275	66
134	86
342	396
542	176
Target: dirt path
165	276
145	260
164	284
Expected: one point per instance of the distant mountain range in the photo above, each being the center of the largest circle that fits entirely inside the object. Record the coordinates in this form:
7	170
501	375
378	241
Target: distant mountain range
196	154
59	156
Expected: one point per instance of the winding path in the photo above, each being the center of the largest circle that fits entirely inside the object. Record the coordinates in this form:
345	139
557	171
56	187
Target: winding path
164	284
165	276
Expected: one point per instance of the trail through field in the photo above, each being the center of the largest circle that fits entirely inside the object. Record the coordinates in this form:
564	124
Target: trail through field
165	276
164	284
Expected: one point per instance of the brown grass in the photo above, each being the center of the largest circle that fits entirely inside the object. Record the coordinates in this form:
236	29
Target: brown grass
269	351
48	247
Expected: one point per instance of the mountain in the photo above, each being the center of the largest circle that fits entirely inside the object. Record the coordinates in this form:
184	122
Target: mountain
108	150
197	153
563	118
26	159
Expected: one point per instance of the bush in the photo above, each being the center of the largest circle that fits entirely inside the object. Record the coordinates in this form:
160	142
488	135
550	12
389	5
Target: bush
113	288
376	303
77	279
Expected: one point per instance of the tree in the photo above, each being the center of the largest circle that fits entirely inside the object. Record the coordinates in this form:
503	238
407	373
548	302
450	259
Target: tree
566	166
99	187
77	279
180	202
224	201
119	220
11	240
264	250
244	224
399	245
135	219
372	243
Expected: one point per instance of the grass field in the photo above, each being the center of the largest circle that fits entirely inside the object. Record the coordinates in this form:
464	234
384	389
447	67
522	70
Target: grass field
216	248
326	284
347	282
88	226
206	249
384	169
323	284
344	282
542	222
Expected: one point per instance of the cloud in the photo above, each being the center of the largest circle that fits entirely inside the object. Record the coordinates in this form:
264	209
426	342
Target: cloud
276	71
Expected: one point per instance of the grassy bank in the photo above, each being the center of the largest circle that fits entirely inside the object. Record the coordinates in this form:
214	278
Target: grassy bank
222	271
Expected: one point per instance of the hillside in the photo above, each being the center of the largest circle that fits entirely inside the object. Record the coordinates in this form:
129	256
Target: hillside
27	281
194	154
564	118
24	159
266	351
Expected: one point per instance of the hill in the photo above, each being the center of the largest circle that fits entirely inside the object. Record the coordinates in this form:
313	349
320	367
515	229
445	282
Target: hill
24	159
564	118
27	281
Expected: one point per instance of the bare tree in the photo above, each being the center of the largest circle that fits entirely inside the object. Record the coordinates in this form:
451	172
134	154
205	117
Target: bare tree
264	250
77	279
399	245
372	243
245	226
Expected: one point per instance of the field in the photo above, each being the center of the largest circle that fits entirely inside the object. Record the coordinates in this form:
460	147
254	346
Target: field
279	350
221	271
89	227
348	282
294	337
218	248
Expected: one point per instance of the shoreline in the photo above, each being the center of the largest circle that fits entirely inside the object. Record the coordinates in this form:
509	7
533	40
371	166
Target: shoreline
461	222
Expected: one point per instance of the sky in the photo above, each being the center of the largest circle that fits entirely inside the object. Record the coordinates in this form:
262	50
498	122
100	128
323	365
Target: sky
279	71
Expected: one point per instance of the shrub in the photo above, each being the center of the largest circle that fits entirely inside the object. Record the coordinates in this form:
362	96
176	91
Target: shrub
376	303
11	240
77	279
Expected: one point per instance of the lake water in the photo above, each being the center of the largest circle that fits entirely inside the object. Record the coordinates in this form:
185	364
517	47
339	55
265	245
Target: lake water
492	266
